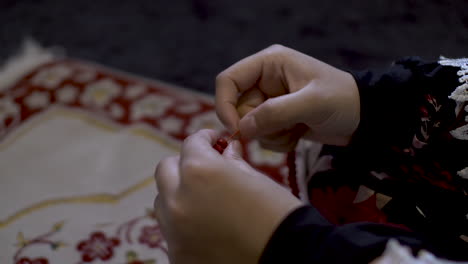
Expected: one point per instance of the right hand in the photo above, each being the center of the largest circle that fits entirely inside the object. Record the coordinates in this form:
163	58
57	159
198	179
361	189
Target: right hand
216	208
279	95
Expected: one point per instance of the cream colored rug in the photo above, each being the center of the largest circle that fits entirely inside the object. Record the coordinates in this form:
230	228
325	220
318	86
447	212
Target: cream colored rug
78	146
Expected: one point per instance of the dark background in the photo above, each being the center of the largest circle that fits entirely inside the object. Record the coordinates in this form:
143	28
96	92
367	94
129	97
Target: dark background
189	42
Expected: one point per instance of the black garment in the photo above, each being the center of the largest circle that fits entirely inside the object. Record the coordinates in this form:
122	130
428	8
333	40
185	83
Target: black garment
406	119
306	237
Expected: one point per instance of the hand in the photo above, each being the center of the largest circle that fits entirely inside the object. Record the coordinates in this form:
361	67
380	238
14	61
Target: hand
215	208
279	94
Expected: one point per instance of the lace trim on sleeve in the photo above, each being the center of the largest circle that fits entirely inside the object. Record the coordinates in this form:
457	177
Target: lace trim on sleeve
460	95
396	253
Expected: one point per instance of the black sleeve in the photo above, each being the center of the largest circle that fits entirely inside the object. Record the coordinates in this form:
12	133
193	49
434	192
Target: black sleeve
306	237
394	100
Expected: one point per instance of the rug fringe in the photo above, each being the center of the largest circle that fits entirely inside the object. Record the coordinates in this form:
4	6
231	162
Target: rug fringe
29	56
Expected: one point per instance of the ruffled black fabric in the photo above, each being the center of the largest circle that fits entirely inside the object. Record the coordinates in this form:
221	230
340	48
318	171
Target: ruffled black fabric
404	133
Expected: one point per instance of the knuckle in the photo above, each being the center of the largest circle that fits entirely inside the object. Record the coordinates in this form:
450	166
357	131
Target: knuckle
276	48
186	144
163	163
221	78
192	167
188	140
160	167
197	172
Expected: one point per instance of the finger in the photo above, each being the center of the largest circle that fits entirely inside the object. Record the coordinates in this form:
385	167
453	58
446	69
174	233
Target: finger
249	100
273	82
280	147
200	143
167	176
233	81
284	140
280	137
233	150
274	115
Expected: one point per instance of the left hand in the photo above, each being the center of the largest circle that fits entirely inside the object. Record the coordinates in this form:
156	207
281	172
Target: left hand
216	208
280	95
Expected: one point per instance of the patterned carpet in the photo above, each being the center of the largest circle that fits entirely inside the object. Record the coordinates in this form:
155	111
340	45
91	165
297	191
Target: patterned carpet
78	147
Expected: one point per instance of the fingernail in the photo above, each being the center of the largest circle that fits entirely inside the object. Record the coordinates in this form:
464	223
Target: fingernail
248	126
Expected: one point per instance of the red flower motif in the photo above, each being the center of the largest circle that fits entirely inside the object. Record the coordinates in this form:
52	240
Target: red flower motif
32	261
151	235
97	246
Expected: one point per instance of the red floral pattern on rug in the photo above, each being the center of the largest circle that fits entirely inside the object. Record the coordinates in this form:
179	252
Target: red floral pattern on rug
151	236
98	246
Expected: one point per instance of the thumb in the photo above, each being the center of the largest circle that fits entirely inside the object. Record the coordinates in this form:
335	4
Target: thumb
233	150
274	115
